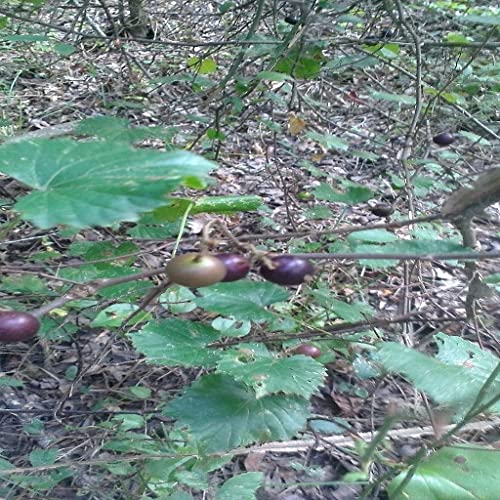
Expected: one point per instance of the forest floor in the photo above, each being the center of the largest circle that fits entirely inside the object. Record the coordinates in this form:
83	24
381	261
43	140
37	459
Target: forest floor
269	149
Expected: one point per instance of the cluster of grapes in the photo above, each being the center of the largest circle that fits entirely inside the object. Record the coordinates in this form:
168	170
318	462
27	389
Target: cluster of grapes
192	270
196	269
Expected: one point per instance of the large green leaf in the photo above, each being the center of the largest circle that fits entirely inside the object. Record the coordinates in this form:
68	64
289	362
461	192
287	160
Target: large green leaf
125	292
491	20
174	342
119	129
372	236
223	414
115	315
353	194
417	246
407	100
243	300
460	352
177	207
328	141
460	473
267	374
451	381
303	64
242	487
83	184
357	311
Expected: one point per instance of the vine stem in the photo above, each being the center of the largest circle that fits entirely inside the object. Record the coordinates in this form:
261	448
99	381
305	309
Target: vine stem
84	290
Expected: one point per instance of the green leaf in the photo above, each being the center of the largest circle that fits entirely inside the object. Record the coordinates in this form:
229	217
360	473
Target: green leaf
242	487
214	134
132	442
194	80
5	464
301	63
401	99
10	382
174	342
64	49
114	316
328	141
318	212
418	246
475	138
226	204
493	279
448	382
373	236
25	38
180	495
202	66
178	299
40	457
456	38
140	392
45	482
273	76
329	427
120	468
105	127
356	61
268	374
127	422
459	472
122	291
350	312
230	327
223	414
243	300
482	19
34	427
119	129
99	250
28	284
163	468
151	232
353	194
460	352
424	246
119	182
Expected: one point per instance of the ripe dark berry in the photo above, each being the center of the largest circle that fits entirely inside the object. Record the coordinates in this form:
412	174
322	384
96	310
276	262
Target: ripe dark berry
444	139
308	350
195	270
16	326
291	20
237	266
287	270
382	210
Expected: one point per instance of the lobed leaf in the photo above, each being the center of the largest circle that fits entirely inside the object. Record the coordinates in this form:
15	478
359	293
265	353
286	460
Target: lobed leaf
268	374
450	381
223	414
243	300
454	472
95	183
175	342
